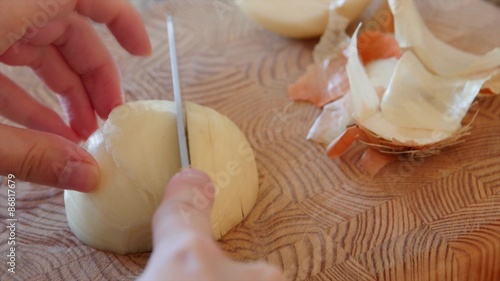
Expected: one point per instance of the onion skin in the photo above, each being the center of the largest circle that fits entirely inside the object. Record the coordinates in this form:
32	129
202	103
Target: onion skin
342	143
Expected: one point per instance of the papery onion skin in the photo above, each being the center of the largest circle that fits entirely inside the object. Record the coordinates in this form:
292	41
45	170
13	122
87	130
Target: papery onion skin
437	56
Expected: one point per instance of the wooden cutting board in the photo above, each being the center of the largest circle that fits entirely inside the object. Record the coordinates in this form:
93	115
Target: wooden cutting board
318	219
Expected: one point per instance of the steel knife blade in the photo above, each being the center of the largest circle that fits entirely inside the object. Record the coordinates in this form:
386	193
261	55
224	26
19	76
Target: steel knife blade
181	124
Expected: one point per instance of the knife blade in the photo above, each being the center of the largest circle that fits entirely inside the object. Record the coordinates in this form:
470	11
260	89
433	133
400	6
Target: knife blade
179	109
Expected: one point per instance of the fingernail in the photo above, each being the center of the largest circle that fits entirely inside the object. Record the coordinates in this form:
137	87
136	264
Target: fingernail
79	176
194	174
191	177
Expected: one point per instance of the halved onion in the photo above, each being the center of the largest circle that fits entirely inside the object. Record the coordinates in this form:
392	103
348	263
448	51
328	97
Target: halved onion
299	18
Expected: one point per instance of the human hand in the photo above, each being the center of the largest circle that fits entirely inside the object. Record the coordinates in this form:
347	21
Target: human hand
183	246
55	39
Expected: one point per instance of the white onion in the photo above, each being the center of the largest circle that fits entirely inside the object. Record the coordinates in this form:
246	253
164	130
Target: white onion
137	150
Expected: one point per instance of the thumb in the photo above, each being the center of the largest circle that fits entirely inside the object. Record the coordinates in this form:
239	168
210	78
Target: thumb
186	207
47	159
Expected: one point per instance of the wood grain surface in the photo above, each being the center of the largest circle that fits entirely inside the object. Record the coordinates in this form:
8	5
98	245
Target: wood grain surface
318	219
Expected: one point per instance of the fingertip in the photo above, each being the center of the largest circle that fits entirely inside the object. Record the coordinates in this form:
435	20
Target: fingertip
192	188
83	128
115	103
187	205
112	105
74	137
79	176
62	130
80	170
190	178
139	48
148	50
47	159
143	48
135	38
105	90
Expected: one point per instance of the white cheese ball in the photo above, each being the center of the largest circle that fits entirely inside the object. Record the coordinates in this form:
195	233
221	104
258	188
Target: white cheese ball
138	153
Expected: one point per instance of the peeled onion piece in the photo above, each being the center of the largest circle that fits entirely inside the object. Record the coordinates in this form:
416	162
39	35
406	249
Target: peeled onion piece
299	18
418	110
137	151
439	57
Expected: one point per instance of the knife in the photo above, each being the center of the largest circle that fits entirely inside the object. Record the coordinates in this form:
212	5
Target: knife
179	109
